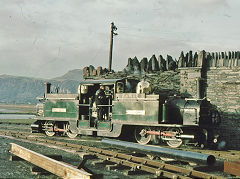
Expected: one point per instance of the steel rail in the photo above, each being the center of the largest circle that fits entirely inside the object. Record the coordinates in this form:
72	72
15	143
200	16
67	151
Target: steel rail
150	166
159	172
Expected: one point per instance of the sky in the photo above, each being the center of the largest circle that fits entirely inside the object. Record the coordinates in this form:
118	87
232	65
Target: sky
47	38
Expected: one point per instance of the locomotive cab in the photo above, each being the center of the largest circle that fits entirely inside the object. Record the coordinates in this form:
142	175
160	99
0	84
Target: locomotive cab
88	109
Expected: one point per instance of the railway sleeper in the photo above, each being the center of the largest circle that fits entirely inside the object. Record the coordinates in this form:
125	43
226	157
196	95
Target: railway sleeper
117	167
134	171
102	162
140	167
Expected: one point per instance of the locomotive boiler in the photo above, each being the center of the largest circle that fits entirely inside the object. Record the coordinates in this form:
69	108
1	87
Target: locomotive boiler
130	111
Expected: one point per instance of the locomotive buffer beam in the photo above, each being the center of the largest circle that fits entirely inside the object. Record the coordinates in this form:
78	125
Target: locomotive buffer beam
35	128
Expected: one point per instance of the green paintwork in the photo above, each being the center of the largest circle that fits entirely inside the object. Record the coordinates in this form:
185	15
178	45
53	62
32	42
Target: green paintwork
151	109
83	124
70	107
104	125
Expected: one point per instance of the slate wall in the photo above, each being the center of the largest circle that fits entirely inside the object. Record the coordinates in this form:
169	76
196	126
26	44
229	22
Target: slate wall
219	81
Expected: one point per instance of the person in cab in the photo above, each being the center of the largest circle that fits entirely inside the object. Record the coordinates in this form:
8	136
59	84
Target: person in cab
101	100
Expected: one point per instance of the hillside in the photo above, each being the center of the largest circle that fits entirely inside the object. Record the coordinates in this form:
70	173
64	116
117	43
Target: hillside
24	90
76	75
19	89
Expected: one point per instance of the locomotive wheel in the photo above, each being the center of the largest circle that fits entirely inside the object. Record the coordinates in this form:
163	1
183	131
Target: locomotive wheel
141	135
69	133
49	133
174	143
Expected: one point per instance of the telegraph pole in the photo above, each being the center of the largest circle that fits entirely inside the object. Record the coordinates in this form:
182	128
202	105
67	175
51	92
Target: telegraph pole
113	28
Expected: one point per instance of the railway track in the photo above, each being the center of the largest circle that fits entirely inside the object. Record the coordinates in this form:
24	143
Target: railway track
116	160
225	155
230	155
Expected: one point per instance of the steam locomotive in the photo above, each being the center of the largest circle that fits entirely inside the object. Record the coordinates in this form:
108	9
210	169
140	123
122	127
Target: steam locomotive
131	111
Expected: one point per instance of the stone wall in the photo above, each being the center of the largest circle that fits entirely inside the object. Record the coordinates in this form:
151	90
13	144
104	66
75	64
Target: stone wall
136	67
215	76
223	88
224	91
188	81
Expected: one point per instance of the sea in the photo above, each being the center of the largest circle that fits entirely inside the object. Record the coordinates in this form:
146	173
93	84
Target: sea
14	116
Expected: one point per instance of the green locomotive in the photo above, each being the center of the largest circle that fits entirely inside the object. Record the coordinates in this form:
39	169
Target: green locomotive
130	110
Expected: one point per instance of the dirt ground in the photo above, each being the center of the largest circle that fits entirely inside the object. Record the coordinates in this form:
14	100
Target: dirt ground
21	169
13	169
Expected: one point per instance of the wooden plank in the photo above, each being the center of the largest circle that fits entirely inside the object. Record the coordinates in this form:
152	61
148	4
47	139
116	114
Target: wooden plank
232	168
58	168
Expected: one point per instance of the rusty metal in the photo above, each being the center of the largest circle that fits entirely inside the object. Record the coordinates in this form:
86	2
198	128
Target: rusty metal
136	166
157	164
168	134
173	153
232	167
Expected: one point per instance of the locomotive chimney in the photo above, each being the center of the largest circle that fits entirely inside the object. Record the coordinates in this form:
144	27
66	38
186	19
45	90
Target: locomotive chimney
47	87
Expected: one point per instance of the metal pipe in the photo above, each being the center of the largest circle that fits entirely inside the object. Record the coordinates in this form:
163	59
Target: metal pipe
184	136
172	153
164	112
